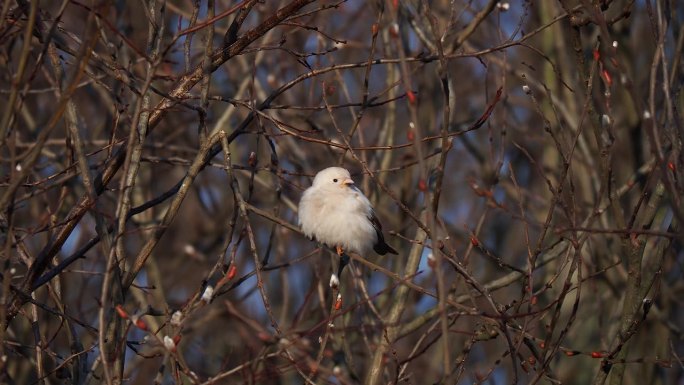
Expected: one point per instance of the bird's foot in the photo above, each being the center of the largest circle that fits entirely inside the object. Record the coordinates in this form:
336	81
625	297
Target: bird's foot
339	250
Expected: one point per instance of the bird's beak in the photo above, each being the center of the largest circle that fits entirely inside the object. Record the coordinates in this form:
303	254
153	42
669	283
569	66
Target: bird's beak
347	182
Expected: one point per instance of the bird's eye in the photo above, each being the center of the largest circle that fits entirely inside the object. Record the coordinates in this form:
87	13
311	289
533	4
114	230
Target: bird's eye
335	180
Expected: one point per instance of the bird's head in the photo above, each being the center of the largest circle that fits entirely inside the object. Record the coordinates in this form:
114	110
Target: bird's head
333	177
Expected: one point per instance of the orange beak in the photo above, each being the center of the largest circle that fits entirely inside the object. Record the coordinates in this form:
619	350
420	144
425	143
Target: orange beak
347	182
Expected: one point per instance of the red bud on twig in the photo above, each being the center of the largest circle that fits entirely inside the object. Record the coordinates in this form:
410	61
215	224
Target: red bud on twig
338	302
232	270
431	261
607	78
169	344
140	324
271	80
121	311
422	185
411	97
394	30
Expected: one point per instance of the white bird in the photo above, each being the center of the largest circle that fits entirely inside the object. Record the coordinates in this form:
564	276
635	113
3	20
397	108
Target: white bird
334	212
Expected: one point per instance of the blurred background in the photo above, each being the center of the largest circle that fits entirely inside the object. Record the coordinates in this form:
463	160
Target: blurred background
525	159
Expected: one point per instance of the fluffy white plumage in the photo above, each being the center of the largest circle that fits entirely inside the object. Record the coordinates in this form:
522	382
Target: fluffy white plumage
334	212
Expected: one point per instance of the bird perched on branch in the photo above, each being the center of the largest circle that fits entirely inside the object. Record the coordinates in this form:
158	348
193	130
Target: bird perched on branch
334	212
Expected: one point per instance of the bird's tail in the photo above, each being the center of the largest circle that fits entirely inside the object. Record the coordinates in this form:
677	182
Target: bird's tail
383	248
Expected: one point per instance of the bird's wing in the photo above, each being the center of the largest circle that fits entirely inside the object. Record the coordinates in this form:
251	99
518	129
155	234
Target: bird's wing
308	206
380	247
